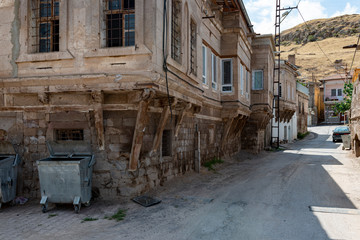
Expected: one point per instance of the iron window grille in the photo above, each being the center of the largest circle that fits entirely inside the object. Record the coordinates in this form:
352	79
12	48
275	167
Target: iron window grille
69	134
46	15
119	17
193	53
176	31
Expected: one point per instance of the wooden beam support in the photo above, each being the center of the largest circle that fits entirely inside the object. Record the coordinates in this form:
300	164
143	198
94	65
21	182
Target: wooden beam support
226	132
99	126
164	117
181	118
141	121
97	100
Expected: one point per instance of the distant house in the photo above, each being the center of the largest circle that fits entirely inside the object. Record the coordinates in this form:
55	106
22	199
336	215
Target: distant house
302	110
333	93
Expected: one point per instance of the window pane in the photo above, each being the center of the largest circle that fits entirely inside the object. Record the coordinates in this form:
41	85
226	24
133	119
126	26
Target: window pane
45	30
45	10
258	80
55	42
129	4
204	63
114	30
114	4
56	8
339	92
44	45
333	92
226	72
129	38
130	22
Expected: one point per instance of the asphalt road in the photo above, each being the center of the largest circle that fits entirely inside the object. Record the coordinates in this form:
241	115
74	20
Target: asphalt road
267	196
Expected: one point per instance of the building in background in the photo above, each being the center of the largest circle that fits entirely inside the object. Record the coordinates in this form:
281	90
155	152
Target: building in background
302	109
333	93
314	103
288	119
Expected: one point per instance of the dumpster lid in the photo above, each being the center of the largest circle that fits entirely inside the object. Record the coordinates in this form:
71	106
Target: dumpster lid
66	148
7	148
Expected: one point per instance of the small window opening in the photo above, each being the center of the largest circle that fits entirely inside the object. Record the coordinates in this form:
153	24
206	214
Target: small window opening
166	143
69	134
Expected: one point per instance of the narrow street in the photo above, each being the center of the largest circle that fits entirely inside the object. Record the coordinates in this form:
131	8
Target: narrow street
252	197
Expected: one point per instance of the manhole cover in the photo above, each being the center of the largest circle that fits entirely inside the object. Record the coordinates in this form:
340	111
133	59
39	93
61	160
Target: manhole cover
146	201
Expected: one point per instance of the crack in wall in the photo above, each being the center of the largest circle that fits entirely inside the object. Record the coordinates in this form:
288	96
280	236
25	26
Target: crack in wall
15	35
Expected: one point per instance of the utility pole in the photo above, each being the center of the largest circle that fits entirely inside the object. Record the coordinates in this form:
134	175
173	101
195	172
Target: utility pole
275	123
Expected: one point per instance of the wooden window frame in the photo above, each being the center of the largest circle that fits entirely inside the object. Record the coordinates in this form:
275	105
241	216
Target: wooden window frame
204	63
120	40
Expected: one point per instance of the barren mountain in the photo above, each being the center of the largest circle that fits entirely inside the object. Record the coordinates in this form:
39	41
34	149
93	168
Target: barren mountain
318	45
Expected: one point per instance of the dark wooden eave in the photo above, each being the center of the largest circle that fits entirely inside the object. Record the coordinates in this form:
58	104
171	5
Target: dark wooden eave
228	5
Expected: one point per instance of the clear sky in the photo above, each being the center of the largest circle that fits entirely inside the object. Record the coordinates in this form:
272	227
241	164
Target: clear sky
262	12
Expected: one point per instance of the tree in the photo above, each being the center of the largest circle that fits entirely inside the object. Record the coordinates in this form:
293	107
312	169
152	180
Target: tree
345	105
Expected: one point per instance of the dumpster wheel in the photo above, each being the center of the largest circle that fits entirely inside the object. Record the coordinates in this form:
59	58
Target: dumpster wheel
44	207
87	204
77	208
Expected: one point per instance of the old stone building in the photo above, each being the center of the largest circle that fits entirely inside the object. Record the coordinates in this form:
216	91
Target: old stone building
314	103
257	132
288	121
156	87
302	108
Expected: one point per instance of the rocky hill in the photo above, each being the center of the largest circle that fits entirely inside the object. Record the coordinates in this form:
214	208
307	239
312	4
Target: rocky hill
319	29
331	35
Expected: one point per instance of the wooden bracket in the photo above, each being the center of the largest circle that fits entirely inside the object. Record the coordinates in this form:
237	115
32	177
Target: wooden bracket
181	118
141	121
226	132
164	117
97	100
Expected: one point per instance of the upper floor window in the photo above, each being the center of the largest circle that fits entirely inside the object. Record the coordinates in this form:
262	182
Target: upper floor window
204	61
258	80
333	92
176	31
227	75
46	34
193	53
119	23
214	71
241	78
247	83
339	92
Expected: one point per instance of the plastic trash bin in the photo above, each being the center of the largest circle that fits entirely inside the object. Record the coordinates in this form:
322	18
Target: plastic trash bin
9	161
66	176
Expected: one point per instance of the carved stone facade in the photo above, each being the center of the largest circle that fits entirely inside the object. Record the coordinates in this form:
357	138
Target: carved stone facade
147	116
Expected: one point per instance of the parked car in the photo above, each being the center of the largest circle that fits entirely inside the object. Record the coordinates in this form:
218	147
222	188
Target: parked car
344	130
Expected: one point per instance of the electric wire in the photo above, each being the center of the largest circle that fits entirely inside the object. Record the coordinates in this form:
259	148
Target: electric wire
308	27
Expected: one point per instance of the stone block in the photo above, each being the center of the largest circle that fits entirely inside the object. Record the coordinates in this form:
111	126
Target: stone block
30	131
129	122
